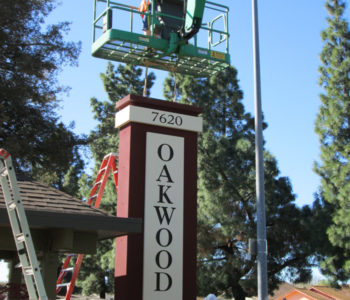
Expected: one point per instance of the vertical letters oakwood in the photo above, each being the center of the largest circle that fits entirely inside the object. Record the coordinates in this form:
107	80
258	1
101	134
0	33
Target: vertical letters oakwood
163	250
164	258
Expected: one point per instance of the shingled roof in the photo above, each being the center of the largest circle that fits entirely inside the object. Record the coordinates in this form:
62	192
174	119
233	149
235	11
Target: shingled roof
47	207
313	293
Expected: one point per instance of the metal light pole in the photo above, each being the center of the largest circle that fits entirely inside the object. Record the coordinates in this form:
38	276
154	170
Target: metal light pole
259	162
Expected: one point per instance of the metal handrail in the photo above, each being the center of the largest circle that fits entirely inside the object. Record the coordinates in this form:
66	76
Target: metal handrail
221	34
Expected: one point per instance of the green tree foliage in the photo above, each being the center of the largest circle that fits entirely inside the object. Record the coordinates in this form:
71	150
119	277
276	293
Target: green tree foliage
226	195
118	83
329	257
30	59
333	127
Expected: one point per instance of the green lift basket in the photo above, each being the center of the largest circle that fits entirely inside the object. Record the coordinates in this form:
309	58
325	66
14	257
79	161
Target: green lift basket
186	36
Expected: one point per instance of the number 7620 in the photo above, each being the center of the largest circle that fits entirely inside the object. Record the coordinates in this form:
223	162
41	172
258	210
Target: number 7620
166	118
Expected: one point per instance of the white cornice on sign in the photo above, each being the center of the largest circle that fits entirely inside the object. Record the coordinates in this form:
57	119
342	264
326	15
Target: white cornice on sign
158	117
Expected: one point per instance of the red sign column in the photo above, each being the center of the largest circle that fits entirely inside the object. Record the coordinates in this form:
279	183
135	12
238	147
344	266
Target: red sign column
158	183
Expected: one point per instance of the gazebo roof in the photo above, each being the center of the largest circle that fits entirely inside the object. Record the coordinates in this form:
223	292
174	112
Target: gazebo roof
47	207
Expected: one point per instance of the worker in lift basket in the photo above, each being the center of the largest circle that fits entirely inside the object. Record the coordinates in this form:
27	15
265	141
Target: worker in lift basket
145	6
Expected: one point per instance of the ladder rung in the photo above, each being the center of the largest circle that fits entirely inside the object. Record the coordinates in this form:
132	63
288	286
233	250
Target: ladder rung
106	157
62	285
111	154
12	205
102	170
67	270
93	196
3	172
28	271
20	238
98	183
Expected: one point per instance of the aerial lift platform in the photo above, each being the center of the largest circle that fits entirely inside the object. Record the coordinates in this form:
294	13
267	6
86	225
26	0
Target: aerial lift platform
186	36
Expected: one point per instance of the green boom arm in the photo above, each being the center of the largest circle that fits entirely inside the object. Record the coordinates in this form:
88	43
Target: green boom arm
193	18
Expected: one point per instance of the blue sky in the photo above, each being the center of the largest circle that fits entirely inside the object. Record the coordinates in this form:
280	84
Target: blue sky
290	44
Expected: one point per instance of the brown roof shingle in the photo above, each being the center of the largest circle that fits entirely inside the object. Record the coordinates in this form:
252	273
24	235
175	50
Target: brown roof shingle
342	293
312	294
37	196
47	207
315	293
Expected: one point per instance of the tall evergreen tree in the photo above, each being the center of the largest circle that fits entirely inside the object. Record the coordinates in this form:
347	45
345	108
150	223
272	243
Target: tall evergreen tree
226	195
333	127
30	58
118	83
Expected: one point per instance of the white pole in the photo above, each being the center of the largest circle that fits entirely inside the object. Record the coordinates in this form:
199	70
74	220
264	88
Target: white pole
259	162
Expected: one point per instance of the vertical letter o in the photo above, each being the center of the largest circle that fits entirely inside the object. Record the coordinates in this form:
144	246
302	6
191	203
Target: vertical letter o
165	155
170	237
167	260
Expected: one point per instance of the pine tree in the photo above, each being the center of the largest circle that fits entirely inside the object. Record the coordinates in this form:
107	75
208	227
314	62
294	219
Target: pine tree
333	127
118	83
330	258
30	58
226	195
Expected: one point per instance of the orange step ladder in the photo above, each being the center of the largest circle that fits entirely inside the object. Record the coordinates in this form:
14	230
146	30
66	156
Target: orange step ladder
108	165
